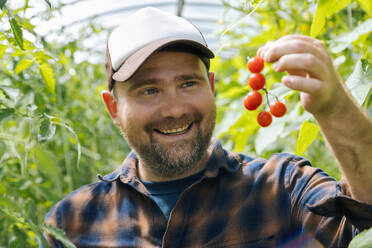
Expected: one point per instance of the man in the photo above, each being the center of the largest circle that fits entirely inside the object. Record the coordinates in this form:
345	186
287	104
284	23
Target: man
180	188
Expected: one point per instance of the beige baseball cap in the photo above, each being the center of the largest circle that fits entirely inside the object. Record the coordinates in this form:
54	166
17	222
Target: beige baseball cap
143	33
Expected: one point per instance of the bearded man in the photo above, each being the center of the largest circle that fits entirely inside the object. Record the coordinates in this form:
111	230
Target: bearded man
180	188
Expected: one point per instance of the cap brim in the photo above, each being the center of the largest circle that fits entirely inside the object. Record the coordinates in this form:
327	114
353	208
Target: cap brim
133	62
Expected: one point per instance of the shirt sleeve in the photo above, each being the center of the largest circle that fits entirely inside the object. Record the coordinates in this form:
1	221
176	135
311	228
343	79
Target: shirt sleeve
50	219
323	206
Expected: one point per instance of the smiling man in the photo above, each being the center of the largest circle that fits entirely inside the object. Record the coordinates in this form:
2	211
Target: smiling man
180	188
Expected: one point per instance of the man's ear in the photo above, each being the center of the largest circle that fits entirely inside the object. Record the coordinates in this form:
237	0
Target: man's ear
211	80
111	105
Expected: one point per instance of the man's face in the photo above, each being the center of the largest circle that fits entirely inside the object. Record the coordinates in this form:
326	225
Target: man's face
166	112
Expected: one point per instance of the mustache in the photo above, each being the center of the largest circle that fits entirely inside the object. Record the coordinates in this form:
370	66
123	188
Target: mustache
170	122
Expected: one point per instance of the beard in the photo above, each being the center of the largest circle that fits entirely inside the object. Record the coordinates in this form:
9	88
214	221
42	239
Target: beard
179	157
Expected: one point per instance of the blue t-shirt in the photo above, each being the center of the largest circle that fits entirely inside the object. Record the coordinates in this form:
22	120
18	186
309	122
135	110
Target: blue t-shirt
166	194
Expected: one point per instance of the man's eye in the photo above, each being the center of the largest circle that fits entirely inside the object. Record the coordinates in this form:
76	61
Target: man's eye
188	84
150	91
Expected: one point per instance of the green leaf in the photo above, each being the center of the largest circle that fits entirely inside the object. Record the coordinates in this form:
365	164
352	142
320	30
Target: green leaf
341	42
4	113
308	133
233	92
325	9
46	130
20	238
58	122
366	6
41	56
47	164
2	189
49	4
360	81
47	74
8	203
10	92
2	148
2	3
362	240
2	50
58	234
17	32
30	210
24	64
243	129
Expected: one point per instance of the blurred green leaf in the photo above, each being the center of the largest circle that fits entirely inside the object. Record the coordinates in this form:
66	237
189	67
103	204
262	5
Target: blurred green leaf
2	50
48	76
24	64
325	9
2	3
341	42
2	189
4	113
41	56
7	203
10	92
308	133
366	5
20	239
30	209
46	130
362	240
47	164
58	234
2	148
49	4
234	92
360	81
17	32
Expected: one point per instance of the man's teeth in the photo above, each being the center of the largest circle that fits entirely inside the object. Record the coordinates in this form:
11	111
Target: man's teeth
176	130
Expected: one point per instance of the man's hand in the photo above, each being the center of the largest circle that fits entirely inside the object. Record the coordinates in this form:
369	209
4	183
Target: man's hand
310	70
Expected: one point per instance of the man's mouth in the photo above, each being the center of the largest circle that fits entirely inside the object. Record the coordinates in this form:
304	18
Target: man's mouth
174	131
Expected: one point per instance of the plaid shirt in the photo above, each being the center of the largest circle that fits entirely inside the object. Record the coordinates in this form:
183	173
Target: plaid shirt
239	202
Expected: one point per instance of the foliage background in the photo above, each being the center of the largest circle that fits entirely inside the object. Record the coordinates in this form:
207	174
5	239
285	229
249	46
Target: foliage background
55	134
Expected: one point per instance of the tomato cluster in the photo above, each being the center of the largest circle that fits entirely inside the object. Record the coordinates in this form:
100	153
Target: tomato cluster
254	98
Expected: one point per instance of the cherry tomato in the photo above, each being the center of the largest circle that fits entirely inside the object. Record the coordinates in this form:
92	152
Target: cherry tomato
255	64
252	100
256	81
278	109
264	118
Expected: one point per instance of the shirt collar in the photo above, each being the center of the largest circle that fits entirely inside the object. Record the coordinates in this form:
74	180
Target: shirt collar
219	158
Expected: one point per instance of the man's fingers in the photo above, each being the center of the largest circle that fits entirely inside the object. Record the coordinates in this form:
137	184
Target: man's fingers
311	86
276	50
307	63
261	49
298	73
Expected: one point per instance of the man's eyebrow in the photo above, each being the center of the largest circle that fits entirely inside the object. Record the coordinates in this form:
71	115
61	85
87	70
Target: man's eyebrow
136	85
189	77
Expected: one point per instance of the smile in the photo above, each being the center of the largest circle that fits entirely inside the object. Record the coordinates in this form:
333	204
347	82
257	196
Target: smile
174	131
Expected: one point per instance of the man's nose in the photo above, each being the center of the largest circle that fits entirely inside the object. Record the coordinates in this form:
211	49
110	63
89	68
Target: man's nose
173	105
